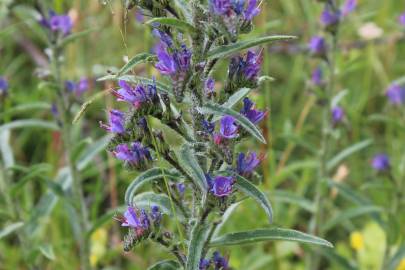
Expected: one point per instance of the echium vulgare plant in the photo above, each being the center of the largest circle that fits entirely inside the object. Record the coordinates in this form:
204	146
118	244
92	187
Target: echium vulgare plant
199	183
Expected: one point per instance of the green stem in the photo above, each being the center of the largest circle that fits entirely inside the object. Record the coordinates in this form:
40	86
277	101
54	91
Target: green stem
65	117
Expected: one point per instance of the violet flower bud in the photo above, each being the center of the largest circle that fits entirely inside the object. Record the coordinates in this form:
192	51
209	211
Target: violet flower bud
317	46
337	114
204	264
348	7
166	64
57	23
317	76
248	110
381	162
252	10
156	215
116	123
136	155
396	94
209	87
220	7
246	164
219	261
329	17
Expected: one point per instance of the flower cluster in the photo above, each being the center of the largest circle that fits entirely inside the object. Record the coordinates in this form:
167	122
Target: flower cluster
57	23
137	96
135	155
244	71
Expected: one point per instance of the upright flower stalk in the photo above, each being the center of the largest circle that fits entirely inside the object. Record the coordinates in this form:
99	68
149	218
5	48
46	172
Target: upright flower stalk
204	176
330	20
58	27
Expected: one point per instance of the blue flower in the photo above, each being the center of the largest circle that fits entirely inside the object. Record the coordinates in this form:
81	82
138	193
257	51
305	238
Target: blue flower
330	17
116	123
183	58
251	11
204	264
317	46
228	128
402	19
248	110
181	188
220	7
220	262
245	165
209	86
3	86
220	186
57	23
381	162
337	114
134	155
208	126
166	64
238	6
137	95
396	94
156	214
316	77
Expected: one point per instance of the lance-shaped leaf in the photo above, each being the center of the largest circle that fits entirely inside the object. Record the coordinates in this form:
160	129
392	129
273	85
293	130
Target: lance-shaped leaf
148	199
234	99
146	177
347	152
136	60
254	236
165	265
349	214
226	50
289	197
23	108
228	213
243	185
336	258
32	123
92	151
173	22
199	236
190	164
75	36
217	109
6	230
162	87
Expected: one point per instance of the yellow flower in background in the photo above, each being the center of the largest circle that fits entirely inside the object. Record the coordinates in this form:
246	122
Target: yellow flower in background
356	240
401	265
98	243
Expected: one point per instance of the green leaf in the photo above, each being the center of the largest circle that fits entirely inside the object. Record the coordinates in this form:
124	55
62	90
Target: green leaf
47	251
148	199
217	109
234	99
229	211
165	265
226	50
199	236
176	23
251	190
146	177
336	258
396	259
254	236
136	60
185	9
6	230
347	152
75	36
189	163
92	151
35	171
6	151
289	197
26	107
32	123
162	87
349	214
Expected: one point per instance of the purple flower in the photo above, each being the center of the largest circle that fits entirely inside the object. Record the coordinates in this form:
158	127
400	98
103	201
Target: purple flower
245	165
248	110
117	122
204	264
181	188
131	218
219	261
134	155
208	126
57	23
381	162
54	110
70	86
220	186
183	58
164	37
317	46
166	64
155	215
330	17
228	128
135	95
220	7
238	6
337	114
317	76
396	94
3	86
348	7
252	10
402	19
82	86
252	65
209	86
